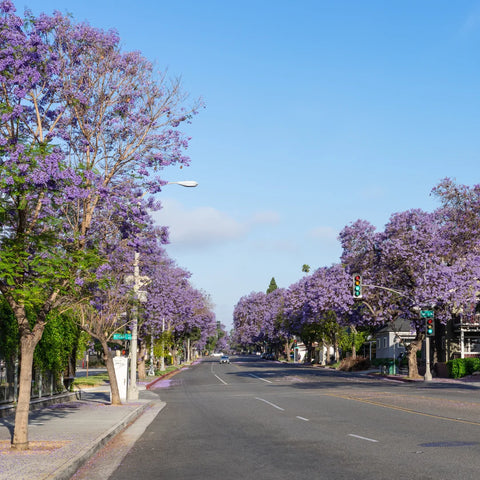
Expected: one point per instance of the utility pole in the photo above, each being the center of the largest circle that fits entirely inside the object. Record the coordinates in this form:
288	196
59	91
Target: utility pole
162	356
151	370
138	282
132	386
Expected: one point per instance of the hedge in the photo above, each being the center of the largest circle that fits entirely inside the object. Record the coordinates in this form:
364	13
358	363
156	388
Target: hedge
460	367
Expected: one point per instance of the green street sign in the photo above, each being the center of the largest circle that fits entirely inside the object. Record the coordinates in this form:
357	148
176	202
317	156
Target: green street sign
122	336
426	313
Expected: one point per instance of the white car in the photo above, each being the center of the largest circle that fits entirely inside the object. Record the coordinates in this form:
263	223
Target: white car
224	359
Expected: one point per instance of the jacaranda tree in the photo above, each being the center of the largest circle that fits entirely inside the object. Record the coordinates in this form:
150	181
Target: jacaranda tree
77	118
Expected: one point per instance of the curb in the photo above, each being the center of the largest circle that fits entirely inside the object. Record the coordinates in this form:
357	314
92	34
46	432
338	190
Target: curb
67	471
148	386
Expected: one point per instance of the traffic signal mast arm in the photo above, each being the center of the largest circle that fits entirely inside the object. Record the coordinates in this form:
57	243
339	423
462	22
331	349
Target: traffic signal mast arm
357	294
381	288
386	288
393	291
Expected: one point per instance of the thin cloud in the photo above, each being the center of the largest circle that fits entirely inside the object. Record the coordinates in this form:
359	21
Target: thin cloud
206	226
278	246
266	217
373	193
328	234
198	227
472	22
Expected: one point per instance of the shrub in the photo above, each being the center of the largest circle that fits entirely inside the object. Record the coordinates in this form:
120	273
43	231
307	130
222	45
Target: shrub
457	368
472	364
354	364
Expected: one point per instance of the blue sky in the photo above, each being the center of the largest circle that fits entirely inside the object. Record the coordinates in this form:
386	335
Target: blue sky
318	113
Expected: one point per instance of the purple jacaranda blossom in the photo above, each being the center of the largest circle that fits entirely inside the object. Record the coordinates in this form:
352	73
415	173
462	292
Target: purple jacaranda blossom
74	149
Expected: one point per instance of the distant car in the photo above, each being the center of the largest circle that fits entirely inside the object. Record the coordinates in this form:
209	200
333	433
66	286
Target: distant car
216	354
224	359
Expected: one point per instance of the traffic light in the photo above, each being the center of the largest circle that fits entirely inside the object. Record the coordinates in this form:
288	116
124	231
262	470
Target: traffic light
357	286
429	322
430	327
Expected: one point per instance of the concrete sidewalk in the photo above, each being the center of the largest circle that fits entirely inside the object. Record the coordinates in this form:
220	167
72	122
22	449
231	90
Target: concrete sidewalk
64	436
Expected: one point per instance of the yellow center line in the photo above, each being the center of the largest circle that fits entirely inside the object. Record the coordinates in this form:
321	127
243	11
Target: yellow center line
402	409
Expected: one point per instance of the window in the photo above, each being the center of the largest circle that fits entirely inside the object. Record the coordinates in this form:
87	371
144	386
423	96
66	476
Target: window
472	345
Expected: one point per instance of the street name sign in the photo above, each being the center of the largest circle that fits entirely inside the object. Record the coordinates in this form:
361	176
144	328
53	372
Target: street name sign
122	336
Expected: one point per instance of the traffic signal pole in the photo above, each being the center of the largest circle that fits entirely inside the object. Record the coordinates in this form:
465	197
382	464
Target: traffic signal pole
428	372
428	315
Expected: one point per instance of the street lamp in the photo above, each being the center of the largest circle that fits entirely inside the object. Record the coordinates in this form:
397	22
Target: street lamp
138	282
184	183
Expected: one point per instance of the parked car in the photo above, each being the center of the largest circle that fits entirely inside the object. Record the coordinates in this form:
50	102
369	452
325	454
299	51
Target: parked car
224	359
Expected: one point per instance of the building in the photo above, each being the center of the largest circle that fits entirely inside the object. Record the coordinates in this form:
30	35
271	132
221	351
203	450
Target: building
390	336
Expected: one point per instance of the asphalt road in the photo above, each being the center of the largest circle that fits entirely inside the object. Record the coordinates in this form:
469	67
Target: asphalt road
257	419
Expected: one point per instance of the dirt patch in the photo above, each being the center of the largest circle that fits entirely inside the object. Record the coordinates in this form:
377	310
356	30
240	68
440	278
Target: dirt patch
37	447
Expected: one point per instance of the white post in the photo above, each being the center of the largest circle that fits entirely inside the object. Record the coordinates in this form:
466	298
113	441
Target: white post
162	356
120	364
394	355
428	373
462	343
151	370
132	387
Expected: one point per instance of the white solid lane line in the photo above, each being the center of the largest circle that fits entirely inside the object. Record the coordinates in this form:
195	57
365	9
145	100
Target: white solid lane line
362	438
303	418
270	403
223	381
260	378
280	408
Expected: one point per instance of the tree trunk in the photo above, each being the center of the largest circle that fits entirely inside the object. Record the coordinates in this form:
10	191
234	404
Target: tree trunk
162	355
354	348
111	373
142	371
287	349
29	338
28	342
336	348
324	353
412	350
310	351
173	352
